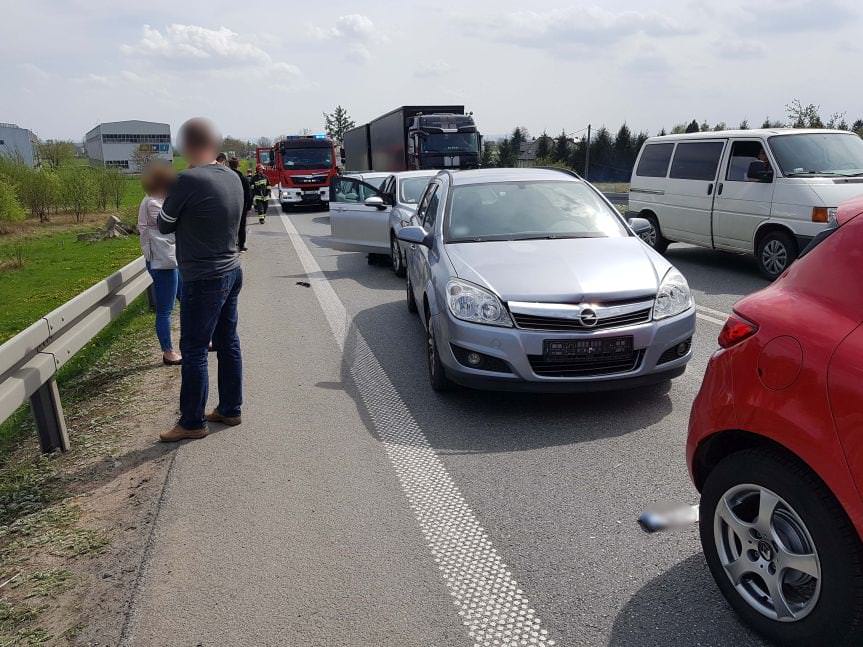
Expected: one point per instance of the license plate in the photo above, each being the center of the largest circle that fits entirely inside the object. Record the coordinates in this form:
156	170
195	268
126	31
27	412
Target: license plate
586	348
313	192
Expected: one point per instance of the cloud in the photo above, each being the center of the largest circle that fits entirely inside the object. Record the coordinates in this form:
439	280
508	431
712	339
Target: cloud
648	65
355	32
740	49
781	16
576	30
94	79
432	69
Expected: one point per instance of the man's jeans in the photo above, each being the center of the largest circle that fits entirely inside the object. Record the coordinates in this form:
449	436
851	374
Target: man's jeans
208	311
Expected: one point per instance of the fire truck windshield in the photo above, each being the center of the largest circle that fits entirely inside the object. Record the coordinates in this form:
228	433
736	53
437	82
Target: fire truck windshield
450	143
307	158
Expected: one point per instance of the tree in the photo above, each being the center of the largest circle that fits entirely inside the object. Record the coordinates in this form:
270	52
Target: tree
519	136
693	127
39	191
767	123
237	146
114	184
662	133
560	151
506	155
143	156
264	142
744	125
601	152
543	146
721	125
800	116
488	154
10	208
79	188
55	152
857	127
704	126
337	123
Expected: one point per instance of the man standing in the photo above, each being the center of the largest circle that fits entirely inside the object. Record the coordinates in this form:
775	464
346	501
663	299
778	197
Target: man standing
234	163
203	211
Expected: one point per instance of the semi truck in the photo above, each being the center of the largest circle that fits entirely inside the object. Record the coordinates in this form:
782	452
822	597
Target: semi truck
414	137
300	168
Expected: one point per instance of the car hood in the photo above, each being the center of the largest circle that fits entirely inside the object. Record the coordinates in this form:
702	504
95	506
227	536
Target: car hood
576	270
833	193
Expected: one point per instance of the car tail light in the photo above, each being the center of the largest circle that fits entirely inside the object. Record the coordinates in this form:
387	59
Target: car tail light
735	330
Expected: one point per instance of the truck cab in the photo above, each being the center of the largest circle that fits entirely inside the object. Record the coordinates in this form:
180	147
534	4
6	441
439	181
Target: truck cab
443	141
300	168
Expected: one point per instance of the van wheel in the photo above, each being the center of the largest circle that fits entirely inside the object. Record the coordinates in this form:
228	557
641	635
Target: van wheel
782	551
654	236
775	252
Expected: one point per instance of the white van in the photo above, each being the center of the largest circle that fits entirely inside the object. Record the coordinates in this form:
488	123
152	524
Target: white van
766	192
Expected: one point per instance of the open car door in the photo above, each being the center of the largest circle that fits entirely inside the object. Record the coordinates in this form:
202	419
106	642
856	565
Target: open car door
359	217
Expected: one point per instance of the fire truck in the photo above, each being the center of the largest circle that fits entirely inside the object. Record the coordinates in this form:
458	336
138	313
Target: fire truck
300	168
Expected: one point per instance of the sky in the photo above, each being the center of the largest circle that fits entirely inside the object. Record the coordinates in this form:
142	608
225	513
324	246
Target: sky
271	68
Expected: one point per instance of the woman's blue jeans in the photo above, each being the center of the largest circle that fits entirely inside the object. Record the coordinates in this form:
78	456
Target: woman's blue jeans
167	288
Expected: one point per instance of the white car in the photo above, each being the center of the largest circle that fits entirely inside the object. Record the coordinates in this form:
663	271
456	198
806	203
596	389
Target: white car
766	192
366	214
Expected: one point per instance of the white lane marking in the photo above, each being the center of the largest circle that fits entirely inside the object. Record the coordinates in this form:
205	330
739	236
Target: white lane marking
718	322
711	311
490	602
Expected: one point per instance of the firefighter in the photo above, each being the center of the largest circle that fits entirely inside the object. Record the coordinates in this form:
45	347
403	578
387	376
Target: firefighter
261	192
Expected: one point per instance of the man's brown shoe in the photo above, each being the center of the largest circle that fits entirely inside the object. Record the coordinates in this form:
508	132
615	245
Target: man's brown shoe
215	416
181	433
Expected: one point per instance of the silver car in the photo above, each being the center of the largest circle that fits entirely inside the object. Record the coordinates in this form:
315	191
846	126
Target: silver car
367	211
529	279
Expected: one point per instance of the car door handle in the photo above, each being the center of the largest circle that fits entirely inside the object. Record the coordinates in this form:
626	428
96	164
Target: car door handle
710	188
719	189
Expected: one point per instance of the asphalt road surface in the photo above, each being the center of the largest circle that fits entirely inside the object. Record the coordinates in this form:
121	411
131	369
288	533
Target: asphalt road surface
356	507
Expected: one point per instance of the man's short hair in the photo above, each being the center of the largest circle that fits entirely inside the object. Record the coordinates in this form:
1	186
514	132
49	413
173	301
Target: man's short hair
158	177
221	158
234	163
198	134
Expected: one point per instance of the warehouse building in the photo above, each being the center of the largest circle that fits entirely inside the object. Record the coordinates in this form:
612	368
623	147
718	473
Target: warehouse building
123	144
17	143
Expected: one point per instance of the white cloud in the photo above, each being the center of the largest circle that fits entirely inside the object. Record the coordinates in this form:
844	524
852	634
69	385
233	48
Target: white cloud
578	29
183	42
740	48
432	69
355	34
95	79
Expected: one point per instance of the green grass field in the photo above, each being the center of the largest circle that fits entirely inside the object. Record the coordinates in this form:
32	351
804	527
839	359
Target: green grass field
56	267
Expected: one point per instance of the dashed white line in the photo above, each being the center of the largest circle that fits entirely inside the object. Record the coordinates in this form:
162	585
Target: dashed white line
492	606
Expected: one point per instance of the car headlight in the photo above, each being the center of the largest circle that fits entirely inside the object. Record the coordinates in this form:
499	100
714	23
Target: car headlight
470	302
673	297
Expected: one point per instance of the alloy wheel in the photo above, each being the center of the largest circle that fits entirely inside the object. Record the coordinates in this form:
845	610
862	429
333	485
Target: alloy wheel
395	255
774	257
767	552
649	236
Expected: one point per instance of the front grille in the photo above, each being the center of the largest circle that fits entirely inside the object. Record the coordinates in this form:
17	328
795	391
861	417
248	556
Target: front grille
309	180
586	367
534	322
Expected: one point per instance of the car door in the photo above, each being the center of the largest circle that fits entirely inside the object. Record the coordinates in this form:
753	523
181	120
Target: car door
740	204
845	388
355	226
428	219
690	190
414	253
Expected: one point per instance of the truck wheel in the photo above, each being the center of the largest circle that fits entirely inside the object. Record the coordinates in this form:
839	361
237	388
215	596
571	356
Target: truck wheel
775	252
782	551
654	237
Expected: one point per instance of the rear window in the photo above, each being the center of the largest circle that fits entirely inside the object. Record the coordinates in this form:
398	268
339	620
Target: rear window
654	160
696	160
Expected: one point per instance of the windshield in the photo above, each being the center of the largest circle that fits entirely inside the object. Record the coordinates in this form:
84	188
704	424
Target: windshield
818	154
307	158
450	143
411	188
529	210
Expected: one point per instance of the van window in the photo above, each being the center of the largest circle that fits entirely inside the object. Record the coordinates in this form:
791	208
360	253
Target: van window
743	154
696	160
654	160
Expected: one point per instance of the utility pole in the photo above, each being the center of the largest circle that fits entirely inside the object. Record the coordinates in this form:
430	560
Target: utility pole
587	155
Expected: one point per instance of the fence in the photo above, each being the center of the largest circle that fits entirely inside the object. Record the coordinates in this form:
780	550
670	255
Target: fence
29	361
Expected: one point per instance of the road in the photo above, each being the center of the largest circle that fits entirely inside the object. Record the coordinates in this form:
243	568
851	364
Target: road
357	507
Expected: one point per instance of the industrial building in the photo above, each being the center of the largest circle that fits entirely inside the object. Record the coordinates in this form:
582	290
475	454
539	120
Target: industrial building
115	143
17	142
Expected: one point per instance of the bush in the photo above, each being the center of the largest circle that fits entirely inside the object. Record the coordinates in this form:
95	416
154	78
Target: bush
78	188
10	207
39	191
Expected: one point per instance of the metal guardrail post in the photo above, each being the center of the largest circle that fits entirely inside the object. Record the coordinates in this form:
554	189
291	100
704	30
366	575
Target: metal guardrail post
50	422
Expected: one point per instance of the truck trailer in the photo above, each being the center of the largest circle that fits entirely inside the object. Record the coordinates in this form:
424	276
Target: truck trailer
414	137
300	168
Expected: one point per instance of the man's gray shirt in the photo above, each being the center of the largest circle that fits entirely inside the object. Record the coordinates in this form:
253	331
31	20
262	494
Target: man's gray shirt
203	209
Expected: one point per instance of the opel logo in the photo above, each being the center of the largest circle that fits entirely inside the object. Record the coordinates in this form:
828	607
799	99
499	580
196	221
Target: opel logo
588	318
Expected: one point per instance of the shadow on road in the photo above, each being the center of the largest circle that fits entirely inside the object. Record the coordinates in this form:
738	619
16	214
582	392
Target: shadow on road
470	421
715	272
680	607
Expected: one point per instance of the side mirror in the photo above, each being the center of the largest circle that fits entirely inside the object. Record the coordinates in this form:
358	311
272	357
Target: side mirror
760	172
375	201
640	226
416	235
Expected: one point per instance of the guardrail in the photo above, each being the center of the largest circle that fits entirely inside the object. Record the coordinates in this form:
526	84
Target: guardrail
30	360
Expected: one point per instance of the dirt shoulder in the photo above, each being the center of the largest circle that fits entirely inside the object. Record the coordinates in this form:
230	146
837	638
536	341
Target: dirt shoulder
74	526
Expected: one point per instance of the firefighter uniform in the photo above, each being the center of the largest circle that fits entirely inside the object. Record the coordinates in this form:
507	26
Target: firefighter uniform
261	193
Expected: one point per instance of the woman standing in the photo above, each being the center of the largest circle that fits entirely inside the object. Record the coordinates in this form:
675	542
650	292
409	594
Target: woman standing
160	253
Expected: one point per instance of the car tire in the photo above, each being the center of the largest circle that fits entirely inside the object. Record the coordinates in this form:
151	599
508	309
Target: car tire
285	208
775	252
396	258
409	296
437	374
654	238
807	519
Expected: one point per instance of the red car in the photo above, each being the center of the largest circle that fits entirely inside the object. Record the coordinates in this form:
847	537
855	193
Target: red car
775	447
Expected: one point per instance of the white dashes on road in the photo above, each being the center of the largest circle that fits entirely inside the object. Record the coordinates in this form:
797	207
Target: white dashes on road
492	606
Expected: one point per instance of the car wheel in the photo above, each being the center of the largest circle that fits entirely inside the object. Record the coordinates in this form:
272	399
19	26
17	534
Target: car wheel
654	236
776	251
285	208
437	375
782	551
396	258
409	296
